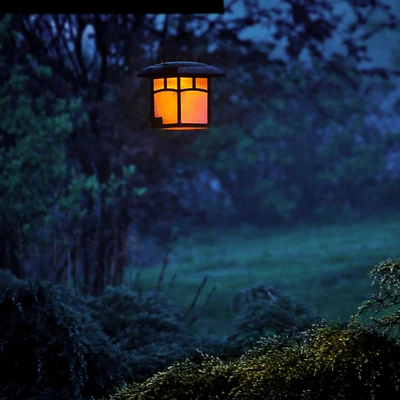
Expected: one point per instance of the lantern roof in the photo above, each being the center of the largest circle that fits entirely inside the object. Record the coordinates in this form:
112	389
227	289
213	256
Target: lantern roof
180	68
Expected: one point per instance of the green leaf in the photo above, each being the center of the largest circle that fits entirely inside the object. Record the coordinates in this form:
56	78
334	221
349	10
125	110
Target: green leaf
26	228
129	170
139	191
44	71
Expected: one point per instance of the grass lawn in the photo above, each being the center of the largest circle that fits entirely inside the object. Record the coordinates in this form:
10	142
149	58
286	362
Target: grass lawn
326	266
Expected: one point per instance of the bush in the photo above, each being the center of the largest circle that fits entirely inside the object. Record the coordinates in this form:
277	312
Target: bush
265	311
150	327
50	351
383	308
328	363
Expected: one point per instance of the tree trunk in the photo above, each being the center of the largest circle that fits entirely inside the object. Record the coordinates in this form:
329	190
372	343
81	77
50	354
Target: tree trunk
121	255
101	262
85	260
9	257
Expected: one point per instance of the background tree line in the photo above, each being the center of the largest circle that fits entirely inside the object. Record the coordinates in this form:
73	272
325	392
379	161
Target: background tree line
79	166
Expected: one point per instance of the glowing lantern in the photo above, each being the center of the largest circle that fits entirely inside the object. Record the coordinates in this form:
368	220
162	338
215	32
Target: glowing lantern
180	94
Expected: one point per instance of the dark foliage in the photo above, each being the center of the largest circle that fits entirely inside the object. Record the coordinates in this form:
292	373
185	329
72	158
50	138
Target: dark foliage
50	350
262	311
52	338
58	345
150	327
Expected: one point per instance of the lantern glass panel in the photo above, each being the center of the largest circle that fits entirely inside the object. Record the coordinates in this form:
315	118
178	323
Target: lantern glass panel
158	84
166	106
202	83
186	83
172	83
194	107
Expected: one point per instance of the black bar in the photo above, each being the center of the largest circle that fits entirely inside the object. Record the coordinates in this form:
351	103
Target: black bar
116	7
179	101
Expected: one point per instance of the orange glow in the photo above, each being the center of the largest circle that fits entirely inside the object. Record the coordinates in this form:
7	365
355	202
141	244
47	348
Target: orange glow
166	106
172	83
158	84
202	83
186	83
185	128
194	109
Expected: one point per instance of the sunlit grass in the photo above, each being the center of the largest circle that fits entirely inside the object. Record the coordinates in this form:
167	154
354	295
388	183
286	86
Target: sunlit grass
326	266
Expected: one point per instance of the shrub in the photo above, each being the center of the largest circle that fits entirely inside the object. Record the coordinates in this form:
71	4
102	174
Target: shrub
150	327
328	363
265	311
384	306
50	351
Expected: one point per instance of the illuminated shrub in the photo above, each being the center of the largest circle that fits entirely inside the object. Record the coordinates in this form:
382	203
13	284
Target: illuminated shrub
328	363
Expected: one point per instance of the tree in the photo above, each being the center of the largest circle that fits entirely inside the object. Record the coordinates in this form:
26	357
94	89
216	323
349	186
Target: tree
297	142
32	159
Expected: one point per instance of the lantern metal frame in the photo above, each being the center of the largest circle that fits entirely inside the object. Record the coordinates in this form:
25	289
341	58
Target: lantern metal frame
180	69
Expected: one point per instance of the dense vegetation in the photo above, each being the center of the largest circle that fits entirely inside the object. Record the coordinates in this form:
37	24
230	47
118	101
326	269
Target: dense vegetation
78	347
89	346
